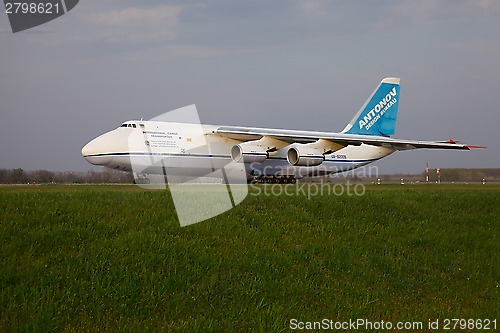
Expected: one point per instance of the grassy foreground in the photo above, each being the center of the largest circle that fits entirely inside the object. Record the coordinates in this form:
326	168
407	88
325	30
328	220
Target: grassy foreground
107	258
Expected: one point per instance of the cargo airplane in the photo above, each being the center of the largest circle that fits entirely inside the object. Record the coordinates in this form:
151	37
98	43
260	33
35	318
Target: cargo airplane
269	155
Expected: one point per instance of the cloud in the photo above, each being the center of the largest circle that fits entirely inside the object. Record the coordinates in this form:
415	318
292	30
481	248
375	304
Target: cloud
133	16
137	25
168	52
433	11
486	4
312	7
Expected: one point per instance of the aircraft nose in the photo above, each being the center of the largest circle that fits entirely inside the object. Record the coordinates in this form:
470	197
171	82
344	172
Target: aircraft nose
89	148
100	150
95	154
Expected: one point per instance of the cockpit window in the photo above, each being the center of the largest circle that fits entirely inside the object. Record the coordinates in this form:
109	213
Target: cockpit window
129	125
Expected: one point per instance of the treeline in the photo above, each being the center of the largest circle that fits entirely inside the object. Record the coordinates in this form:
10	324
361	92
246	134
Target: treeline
464	175
107	176
447	176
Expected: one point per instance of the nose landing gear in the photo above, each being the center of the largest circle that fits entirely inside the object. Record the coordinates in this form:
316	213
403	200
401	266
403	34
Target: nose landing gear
141	179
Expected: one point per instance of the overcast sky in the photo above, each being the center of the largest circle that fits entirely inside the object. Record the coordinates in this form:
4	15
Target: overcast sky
306	65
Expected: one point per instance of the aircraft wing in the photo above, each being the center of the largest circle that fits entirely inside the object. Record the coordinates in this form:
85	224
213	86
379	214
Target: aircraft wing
293	136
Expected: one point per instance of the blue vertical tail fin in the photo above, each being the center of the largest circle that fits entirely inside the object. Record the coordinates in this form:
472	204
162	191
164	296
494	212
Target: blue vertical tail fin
378	115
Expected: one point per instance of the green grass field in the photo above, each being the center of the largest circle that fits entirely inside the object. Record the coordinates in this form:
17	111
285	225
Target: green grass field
108	258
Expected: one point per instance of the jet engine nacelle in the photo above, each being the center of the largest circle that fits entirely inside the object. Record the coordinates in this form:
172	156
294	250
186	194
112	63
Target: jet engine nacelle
257	150
301	155
248	152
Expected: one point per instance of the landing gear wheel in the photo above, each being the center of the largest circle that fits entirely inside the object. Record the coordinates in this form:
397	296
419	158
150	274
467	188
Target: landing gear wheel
142	181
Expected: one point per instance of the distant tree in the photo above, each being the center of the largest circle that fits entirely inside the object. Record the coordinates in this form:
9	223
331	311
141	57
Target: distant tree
4	176
43	176
18	176
452	175
93	177
107	176
111	176
68	177
126	177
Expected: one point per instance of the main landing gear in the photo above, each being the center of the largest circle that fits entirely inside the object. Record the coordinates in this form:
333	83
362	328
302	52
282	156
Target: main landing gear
273	180
141	179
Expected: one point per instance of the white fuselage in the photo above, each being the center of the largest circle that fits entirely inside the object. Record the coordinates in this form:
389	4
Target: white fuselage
196	150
